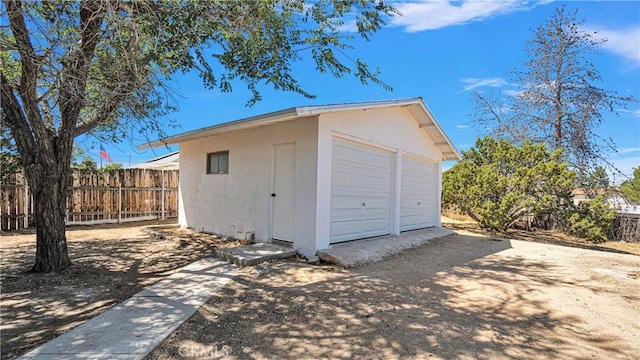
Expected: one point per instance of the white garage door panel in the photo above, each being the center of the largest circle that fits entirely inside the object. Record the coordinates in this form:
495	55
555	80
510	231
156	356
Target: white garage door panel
418	194
361	179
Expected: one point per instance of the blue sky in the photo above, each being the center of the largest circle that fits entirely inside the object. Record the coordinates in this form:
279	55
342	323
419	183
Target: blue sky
441	51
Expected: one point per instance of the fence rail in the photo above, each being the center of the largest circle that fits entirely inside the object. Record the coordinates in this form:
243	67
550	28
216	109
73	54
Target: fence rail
116	196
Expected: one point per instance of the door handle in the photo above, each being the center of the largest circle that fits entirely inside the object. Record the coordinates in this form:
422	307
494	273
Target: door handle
363	204
273	195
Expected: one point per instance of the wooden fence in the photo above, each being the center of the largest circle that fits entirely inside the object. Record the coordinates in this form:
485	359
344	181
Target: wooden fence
625	227
111	197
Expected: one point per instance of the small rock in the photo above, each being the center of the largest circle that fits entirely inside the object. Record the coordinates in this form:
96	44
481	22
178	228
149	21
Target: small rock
259	270
314	260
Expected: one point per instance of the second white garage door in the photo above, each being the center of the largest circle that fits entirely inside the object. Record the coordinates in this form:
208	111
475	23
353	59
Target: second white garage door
418	194
361	191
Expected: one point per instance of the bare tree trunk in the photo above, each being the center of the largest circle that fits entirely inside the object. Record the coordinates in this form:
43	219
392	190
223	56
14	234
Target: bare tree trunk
49	187
44	149
51	246
558	128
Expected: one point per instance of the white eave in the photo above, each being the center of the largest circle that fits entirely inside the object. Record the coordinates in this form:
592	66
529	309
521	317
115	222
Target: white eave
416	106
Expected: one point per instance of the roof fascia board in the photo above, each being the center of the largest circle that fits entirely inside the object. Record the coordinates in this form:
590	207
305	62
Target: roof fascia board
218	128
430	125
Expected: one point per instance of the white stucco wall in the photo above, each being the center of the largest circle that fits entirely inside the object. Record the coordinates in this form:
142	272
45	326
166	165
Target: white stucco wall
391	128
241	199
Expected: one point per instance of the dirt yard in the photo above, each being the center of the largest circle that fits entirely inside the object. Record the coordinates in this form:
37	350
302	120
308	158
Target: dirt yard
459	297
111	263
544	236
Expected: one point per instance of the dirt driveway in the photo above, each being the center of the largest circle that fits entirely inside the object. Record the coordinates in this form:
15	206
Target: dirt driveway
460	297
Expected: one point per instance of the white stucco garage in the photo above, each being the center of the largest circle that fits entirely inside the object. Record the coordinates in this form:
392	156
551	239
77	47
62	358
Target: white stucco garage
317	175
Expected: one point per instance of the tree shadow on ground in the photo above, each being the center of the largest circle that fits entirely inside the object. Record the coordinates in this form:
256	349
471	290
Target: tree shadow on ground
38	307
452	299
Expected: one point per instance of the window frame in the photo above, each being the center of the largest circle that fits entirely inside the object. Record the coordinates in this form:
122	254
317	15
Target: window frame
218	155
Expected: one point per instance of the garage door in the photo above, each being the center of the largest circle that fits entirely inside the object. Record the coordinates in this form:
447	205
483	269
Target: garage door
418	194
361	184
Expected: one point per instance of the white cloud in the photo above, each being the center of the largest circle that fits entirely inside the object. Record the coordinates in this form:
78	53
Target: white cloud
634	113
462	126
428	15
622	42
625	165
624	160
512	92
628	150
472	83
348	26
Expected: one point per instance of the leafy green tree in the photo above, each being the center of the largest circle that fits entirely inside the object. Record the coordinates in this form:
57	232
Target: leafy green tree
559	102
86	164
102	67
592	219
497	182
596	182
631	188
598	179
110	166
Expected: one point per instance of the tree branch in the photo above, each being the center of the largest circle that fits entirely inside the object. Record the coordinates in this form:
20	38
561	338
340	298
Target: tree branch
17	122
101	116
28	75
76	69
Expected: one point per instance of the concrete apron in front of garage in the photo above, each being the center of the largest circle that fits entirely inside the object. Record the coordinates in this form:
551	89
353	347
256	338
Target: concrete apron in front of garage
360	252
347	254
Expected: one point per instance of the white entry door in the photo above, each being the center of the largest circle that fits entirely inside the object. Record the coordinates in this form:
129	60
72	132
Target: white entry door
418	194
361	191
283	191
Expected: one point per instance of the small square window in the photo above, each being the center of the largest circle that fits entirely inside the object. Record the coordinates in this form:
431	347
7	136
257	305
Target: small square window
218	162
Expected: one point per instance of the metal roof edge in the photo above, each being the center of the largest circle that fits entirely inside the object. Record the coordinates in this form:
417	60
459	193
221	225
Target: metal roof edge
323	109
296	112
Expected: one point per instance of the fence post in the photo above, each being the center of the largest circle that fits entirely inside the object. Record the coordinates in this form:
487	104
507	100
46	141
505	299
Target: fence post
26	206
119	202
162	196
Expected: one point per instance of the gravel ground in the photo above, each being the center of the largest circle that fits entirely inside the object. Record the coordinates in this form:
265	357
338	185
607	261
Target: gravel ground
459	297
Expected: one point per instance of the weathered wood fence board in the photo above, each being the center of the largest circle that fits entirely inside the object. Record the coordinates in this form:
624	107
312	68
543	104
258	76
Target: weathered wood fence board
114	196
625	227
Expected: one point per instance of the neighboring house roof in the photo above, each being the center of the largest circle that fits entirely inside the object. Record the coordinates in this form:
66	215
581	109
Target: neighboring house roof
166	162
609	192
415	106
583	193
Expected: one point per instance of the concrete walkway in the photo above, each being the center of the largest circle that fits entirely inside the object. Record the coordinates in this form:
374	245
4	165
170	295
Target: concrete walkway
134	328
254	254
360	252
